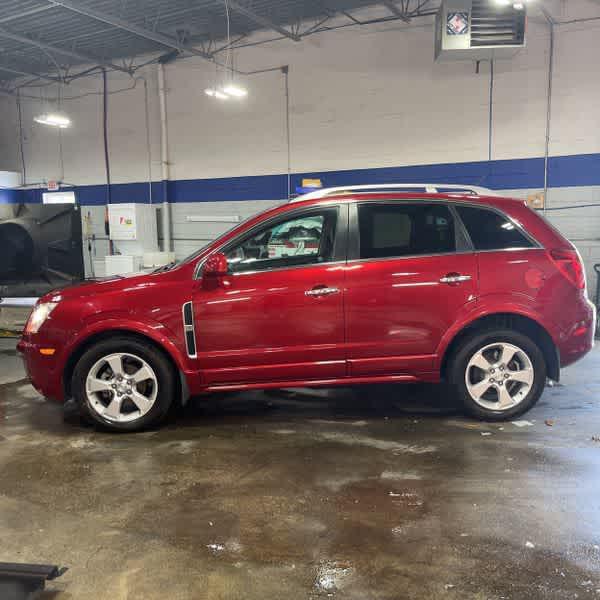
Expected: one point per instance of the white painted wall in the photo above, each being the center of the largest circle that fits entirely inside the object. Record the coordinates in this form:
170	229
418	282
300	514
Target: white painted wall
360	97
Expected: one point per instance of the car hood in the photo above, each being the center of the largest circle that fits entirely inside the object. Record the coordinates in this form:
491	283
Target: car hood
100	285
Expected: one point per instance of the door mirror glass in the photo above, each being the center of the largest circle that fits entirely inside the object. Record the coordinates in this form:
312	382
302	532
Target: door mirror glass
215	266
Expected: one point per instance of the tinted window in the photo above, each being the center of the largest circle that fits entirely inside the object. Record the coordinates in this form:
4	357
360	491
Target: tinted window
303	239
490	230
405	229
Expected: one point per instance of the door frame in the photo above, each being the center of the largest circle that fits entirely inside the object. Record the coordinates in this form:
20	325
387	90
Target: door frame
463	241
340	246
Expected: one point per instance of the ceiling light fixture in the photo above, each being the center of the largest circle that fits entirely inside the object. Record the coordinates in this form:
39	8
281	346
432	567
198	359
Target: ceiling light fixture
518	5
215	93
236	91
59	120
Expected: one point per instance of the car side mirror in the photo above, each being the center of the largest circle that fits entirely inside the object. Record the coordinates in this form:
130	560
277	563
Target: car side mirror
215	266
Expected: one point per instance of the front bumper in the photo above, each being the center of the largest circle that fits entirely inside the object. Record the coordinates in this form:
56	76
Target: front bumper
42	371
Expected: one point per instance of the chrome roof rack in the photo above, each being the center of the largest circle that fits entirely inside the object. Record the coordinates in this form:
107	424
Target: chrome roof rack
428	188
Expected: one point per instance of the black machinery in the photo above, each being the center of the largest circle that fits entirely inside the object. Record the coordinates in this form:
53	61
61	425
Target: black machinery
40	248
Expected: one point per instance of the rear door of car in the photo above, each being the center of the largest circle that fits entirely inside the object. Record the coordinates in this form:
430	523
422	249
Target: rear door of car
411	273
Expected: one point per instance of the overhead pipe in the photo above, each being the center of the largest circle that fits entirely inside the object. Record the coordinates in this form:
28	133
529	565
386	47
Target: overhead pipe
491	112
111	248
551	24
148	139
164	158
286	70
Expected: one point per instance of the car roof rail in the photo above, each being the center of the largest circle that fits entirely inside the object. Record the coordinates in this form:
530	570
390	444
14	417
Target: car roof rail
428	188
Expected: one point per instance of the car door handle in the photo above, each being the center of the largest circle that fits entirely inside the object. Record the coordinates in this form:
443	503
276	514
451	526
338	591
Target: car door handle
321	291
454	278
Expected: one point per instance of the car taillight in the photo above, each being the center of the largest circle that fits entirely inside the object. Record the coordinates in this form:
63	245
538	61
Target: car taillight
570	265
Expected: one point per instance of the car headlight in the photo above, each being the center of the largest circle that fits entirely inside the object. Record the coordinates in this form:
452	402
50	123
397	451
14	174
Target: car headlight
39	314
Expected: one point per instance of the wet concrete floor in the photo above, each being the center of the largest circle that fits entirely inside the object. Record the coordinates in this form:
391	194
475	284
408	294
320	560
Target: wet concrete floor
308	494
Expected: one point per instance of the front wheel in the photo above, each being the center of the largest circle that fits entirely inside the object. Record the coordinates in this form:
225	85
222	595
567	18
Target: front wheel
123	384
499	375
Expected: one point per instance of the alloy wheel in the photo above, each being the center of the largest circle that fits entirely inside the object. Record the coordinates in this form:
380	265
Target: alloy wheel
499	376
121	387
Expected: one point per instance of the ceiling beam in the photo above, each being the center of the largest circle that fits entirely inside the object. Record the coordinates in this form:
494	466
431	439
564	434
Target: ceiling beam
263	21
25	13
28	73
84	57
391	6
142	32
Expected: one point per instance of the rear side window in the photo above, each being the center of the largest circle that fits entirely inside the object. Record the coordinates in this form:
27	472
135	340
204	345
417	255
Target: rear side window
490	230
388	230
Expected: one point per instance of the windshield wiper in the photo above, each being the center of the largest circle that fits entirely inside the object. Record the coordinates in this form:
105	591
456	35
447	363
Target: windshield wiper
166	267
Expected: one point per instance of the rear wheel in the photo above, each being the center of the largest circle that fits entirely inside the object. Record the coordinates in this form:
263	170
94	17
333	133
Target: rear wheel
123	384
498	374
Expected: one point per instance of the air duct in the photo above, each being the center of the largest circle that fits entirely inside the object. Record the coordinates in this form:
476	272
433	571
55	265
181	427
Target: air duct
479	29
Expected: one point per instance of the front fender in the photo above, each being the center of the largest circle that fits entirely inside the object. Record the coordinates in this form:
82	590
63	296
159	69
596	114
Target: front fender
122	321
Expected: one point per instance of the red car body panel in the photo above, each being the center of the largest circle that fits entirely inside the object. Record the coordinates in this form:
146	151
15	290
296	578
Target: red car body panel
391	327
260	326
391	319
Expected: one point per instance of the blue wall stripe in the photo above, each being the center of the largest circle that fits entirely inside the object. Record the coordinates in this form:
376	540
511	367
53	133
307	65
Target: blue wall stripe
576	170
526	173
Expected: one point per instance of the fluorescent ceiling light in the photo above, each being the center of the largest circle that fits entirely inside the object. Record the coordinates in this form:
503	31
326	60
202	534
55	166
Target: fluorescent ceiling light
54	120
216	93
235	90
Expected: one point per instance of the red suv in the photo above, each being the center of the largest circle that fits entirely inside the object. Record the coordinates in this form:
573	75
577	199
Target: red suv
343	286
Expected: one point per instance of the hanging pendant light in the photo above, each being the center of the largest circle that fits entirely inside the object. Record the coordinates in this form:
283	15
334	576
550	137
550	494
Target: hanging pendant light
54	119
229	89
216	93
237	91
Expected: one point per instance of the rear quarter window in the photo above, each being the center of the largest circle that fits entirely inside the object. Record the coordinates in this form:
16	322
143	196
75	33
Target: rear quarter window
490	230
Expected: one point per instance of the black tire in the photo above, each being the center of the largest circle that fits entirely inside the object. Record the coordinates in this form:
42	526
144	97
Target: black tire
470	346
138	348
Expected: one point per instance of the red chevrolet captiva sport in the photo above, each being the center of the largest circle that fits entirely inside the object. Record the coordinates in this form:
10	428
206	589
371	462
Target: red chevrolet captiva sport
343	286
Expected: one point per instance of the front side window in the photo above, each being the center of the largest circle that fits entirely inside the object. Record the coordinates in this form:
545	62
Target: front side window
301	240
490	230
401	229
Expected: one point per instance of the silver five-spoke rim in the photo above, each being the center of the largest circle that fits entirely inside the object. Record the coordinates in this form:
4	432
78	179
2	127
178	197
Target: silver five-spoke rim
499	376
121	387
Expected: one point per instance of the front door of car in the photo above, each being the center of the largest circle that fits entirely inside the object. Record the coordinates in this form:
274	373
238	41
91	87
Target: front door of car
277	315
410	274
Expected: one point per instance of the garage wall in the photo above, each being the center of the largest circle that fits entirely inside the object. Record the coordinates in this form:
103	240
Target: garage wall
367	105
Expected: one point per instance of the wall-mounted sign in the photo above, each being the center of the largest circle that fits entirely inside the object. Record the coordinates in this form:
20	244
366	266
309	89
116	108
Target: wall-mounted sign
58	197
122	222
312	183
457	23
536	200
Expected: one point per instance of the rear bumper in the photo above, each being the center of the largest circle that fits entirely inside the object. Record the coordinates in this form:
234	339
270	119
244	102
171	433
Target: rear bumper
578	339
42	371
